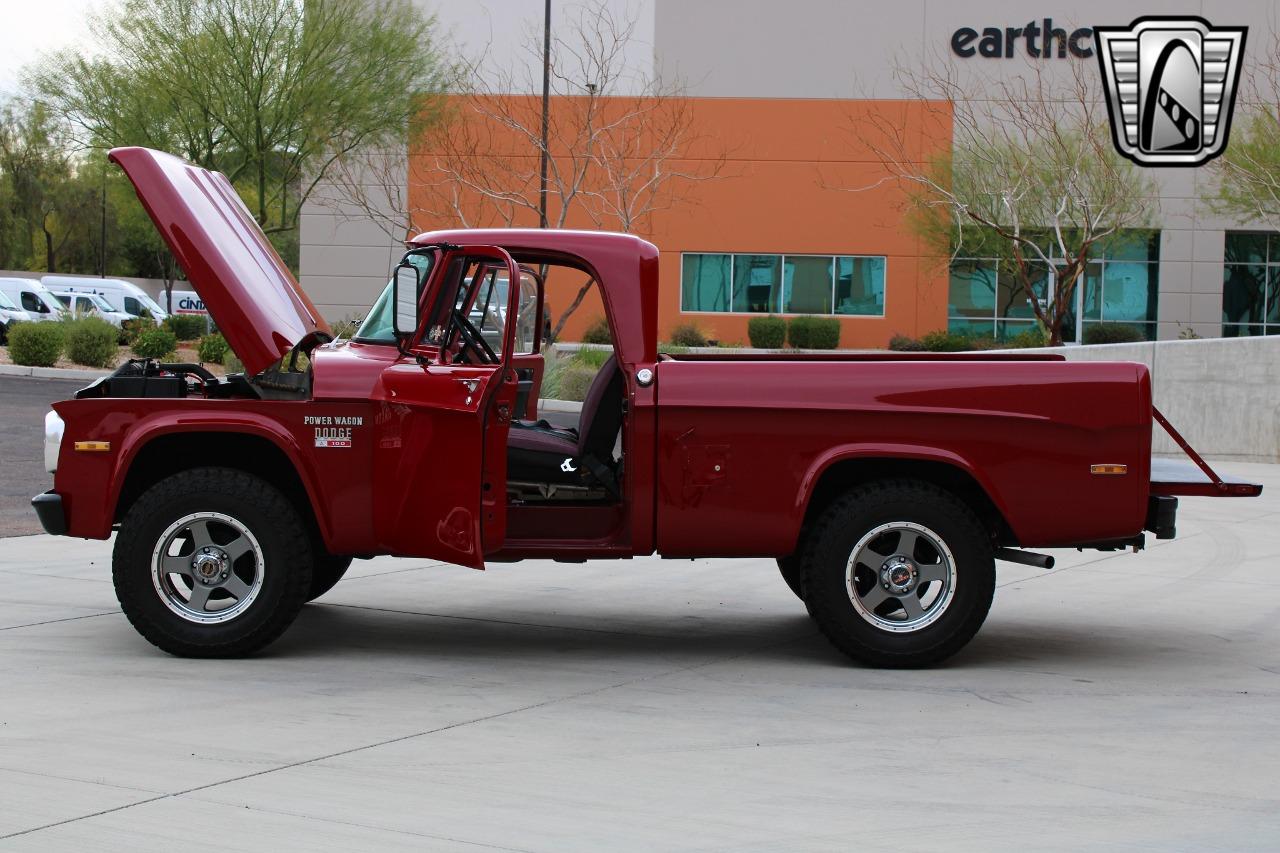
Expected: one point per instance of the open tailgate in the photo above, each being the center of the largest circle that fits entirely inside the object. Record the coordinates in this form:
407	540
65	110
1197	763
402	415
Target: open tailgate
1171	477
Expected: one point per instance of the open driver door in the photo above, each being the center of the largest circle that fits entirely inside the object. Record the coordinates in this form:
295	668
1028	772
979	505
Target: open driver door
440	478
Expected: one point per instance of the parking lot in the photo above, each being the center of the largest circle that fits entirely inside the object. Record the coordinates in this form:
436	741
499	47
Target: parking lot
1118	701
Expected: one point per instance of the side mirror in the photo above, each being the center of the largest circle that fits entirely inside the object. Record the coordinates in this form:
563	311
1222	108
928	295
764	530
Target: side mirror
405	297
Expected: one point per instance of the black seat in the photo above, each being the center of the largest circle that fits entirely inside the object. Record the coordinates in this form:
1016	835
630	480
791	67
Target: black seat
541	453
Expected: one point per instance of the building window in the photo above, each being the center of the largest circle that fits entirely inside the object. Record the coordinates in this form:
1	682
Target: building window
1120	286
842	285
1251	284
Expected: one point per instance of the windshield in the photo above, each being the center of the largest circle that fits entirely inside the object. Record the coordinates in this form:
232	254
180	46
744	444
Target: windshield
150	305
100	303
6	302
377	328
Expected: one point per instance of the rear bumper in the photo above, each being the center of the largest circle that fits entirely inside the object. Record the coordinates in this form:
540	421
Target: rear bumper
48	507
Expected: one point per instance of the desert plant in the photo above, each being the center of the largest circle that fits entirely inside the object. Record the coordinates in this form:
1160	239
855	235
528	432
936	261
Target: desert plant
1112	333
155	343
35	344
767	332
575	381
1034	337
1188	334
813	332
212	348
91	341
592	358
232	364
186	327
597	332
688	335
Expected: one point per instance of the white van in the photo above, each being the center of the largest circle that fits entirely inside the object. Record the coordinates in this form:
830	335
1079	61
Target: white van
188	302
10	313
92	305
33	297
122	295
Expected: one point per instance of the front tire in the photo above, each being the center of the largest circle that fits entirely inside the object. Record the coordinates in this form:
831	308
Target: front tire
325	573
212	562
899	573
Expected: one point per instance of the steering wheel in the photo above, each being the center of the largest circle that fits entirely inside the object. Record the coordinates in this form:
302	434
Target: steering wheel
472	339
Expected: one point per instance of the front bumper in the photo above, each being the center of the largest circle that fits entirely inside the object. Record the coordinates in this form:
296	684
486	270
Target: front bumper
48	507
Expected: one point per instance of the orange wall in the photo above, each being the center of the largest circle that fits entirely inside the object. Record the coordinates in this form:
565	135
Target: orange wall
778	191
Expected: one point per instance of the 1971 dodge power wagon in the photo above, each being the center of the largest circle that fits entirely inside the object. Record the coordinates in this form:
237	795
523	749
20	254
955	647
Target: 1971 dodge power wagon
885	485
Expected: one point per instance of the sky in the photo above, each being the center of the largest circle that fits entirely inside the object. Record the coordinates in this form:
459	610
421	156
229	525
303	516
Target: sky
29	26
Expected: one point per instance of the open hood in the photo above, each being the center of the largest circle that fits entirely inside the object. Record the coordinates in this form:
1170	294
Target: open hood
250	293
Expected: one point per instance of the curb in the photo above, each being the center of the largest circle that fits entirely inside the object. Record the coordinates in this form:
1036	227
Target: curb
559	406
50	372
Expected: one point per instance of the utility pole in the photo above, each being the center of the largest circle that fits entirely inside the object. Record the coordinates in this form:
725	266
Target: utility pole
546	100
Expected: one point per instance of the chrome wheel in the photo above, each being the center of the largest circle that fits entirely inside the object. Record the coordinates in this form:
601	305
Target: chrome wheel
207	567
901	577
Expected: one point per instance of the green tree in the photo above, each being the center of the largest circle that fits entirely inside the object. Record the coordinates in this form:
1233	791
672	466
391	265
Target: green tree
270	92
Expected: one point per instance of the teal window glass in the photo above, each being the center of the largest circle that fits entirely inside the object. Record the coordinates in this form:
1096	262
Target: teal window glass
1251	284
757	283
860	286
806	284
705	283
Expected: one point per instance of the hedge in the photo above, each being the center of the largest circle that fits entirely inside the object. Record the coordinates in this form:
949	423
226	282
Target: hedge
35	344
767	332
814	332
186	327
91	341
155	343
1112	333
130	329
213	348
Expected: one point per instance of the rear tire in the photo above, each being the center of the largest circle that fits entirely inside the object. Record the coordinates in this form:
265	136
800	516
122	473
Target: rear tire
326	571
212	562
899	573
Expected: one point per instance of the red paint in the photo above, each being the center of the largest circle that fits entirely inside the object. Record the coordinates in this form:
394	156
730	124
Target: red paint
723	454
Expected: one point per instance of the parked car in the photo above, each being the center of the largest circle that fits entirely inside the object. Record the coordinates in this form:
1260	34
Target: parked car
10	313
32	297
92	305
123	296
886	485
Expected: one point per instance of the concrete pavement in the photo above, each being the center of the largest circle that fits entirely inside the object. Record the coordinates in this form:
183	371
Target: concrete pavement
23	404
1119	701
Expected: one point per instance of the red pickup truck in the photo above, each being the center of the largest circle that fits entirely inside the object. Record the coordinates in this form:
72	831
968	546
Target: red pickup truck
885	485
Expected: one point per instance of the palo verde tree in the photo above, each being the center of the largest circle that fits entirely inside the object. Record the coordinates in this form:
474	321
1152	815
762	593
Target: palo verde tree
617	139
271	92
1031	177
1249	169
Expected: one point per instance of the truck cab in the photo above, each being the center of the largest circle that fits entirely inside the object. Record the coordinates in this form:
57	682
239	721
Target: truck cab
884	485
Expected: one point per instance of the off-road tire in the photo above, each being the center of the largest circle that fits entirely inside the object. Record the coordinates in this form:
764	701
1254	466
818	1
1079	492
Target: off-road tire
326	571
828	547
270	516
792	570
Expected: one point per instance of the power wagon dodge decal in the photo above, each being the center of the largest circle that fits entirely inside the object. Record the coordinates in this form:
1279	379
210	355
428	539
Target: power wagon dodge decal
335	431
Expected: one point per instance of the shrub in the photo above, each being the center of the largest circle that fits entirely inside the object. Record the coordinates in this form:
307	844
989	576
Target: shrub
905	343
346	327
213	348
1112	333
814	332
130	329
91	341
231	364
592	358
35	344
155	343
767	332
944	341
688	335
597	332
1034	337
185	327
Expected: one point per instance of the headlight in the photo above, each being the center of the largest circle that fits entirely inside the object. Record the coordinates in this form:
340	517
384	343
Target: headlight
53	427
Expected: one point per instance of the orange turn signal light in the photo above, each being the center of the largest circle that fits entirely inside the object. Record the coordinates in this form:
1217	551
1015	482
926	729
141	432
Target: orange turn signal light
93	446
1108	470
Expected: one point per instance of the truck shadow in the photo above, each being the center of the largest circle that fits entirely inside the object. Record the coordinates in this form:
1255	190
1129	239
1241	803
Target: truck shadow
529	637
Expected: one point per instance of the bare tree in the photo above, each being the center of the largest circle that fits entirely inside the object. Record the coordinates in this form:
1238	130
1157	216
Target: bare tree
615	144
1249	168
1031	176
